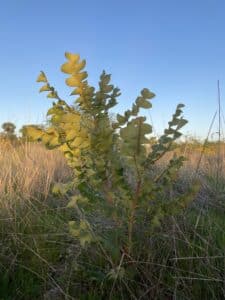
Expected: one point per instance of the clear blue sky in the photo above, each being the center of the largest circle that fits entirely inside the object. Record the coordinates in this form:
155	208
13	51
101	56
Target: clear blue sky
176	48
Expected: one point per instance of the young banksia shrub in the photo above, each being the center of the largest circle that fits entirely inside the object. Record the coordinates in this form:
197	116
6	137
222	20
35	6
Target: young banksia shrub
112	168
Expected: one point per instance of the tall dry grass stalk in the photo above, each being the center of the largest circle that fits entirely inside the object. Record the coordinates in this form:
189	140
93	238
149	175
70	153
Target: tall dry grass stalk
27	170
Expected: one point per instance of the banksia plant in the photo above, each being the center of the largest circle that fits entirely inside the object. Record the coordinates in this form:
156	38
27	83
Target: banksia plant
112	169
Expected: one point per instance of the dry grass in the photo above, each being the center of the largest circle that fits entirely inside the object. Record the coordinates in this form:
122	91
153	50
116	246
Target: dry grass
200	161
187	254
204	163
28	170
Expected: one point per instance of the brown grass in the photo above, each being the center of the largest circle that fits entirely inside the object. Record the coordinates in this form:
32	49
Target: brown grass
27	170
35	238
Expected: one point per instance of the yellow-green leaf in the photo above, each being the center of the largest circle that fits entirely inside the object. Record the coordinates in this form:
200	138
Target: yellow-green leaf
69	67
77	91
72	57
64	148
77	142
33	132
73	202
74	81
45	88
42	77
85	144
73	67
141	102
71	118
146	93
52	95
76	152
71	134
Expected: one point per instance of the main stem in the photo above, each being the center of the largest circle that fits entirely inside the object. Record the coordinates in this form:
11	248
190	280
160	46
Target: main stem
133	209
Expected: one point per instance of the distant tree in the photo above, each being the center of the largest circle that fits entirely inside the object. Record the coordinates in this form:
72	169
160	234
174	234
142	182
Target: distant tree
9	131
9	128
